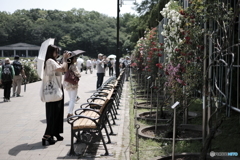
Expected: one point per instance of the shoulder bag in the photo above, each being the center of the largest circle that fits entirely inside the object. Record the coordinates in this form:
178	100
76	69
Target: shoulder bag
70	77
51	90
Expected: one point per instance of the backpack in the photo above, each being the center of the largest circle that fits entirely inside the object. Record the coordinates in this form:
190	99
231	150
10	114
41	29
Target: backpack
7	73
109	64
123	65
17	67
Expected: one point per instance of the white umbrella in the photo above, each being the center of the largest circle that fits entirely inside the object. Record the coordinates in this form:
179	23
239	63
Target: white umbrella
42	55
112	56
80	60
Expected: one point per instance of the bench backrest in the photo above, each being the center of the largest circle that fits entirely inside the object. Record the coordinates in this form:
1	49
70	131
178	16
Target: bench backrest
106	101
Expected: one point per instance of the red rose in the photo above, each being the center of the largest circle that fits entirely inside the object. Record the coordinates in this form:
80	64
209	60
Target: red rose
159	65
182	12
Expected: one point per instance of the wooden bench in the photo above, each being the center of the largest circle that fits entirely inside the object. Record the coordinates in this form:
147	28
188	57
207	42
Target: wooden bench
90	121
92	117
99	97
117	85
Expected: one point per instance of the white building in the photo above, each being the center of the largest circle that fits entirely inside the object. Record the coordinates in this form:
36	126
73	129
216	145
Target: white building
21	49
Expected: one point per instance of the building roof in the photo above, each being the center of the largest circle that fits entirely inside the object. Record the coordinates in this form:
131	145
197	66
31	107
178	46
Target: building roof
20	46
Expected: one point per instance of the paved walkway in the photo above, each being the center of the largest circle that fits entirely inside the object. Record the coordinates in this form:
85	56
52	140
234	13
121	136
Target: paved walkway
23	124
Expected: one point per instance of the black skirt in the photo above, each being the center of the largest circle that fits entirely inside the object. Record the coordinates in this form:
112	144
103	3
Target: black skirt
54	117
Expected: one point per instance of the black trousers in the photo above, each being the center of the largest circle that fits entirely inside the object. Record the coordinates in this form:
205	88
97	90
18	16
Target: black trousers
110	71
54	117
99	79
7	89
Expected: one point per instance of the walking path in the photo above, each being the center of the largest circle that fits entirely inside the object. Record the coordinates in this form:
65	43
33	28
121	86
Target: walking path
23	124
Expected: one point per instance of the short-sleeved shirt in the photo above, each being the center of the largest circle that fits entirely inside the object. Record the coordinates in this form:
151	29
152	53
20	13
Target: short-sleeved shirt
100	66
89	63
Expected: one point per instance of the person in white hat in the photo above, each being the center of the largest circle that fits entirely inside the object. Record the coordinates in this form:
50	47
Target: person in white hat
6	78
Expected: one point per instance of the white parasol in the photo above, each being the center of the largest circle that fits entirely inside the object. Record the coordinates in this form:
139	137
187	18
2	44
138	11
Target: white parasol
42	55
112	56
80	60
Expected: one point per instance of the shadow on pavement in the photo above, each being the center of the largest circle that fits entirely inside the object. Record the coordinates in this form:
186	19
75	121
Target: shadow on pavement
25	147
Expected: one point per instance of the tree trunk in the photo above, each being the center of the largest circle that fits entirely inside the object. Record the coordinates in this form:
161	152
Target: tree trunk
208	140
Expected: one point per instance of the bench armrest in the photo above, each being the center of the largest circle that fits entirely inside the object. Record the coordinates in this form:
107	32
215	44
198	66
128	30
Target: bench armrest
107	87
81	110
72	119
88	104
98	95
99	92
94	98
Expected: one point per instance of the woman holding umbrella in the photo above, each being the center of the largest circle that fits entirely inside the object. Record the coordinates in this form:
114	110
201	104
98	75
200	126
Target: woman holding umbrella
55	109
72	88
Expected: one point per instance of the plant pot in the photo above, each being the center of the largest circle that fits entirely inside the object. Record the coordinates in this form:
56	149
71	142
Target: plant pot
188	132
143	105
152	118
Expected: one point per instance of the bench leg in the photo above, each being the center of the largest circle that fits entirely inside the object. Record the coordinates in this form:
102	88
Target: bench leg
111	131
104	144
110	111
114	108
72	152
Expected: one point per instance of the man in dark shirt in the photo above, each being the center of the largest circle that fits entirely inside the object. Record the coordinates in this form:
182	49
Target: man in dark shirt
18	78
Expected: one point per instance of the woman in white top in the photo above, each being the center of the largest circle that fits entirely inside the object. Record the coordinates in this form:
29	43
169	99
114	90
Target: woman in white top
72	89
54	110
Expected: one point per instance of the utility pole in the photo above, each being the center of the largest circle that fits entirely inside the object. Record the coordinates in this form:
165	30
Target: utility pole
117	69
118	49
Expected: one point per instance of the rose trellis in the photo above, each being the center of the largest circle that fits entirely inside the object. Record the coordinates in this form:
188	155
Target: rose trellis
183	52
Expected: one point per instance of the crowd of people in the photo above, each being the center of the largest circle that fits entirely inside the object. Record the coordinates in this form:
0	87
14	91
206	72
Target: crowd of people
53	85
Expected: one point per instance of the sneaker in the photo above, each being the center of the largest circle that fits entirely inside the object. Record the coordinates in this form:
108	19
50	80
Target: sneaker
18	95
69	115
77	98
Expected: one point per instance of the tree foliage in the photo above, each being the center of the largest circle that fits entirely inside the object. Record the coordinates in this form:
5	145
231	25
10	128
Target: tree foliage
150	14
79	29
74	29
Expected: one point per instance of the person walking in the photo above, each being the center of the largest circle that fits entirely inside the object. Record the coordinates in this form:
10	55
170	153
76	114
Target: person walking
6	78
110	66
80	63
94	63
19	75
105	63
100	63
89	66
54	110
126	64
72	89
